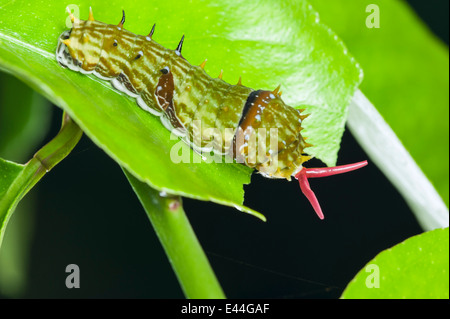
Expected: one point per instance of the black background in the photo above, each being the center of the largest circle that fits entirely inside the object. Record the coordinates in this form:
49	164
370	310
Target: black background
88	215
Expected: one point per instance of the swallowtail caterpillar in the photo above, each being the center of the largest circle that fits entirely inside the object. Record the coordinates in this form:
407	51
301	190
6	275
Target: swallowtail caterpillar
183	95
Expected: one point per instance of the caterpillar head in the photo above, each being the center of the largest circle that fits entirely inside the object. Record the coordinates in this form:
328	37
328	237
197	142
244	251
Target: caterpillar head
280	148
266	110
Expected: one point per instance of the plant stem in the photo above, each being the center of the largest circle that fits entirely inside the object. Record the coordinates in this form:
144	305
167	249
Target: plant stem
386	150
41	163
192	268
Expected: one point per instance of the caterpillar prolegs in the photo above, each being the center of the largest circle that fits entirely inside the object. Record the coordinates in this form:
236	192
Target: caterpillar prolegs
191	103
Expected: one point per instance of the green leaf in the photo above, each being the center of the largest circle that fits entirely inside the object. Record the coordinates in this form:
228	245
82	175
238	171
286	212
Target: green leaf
9	172
406	77
305	56
415	268
194	273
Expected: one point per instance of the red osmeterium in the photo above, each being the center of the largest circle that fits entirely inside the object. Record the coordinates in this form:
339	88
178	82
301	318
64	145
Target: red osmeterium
306	173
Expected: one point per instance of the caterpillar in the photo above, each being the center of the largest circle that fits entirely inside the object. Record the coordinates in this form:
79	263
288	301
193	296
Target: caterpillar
191	103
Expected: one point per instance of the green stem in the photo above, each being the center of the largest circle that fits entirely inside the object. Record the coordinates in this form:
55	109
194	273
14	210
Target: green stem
192	268
41	163
380	142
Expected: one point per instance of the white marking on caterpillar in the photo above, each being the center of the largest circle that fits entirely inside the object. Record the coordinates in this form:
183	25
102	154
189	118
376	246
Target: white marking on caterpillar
145	107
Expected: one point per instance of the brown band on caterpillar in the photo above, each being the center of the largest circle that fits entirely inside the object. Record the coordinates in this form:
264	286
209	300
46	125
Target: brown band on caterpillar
248	104
256	103
164	95
164	89
238	135
123	79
